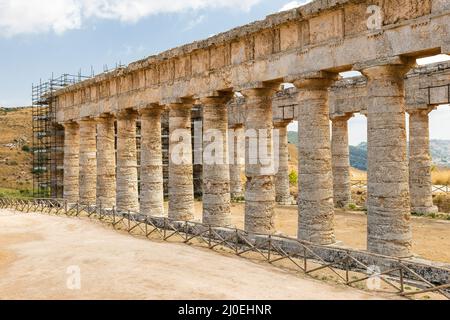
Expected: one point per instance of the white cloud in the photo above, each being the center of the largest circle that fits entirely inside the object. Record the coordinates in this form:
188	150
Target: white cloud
294	4
31	17
193	23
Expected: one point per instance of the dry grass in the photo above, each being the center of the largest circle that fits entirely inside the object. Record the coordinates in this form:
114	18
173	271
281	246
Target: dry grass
441	176
15	163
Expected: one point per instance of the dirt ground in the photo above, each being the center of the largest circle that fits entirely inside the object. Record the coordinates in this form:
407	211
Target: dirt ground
37	250
431	238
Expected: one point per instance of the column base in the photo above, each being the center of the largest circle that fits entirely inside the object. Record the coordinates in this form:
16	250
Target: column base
425	210
286	201
237	196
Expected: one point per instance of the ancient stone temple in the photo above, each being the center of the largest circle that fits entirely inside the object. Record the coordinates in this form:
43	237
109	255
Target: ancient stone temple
236	77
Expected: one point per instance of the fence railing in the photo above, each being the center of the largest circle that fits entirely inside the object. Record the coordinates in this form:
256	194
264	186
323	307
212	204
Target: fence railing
435	188
348	266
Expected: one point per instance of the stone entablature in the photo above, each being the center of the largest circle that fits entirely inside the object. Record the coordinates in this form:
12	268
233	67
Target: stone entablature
318	36
425	87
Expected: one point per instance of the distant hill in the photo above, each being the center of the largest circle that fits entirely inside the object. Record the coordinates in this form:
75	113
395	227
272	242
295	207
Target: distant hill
15	148
440	152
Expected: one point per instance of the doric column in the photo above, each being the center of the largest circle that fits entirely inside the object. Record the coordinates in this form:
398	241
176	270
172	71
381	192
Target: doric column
388	203
315	179
282	184
152	183
216	174
181	187
259	162
88	161
127	174
71	162
106	162
420	182
237	158
341	161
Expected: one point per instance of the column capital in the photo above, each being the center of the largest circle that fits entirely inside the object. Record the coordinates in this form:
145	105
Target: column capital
422	112
87	120
313	80
126	114
341	117
104	116
151	109
70	124
179	106
281	124
219	98
260	89
391	66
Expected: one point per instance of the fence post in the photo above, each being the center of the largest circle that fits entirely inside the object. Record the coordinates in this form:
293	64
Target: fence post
270	248
209	236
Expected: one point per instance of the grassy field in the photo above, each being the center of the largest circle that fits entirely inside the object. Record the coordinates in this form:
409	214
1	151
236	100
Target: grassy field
15	148
15	194
441	176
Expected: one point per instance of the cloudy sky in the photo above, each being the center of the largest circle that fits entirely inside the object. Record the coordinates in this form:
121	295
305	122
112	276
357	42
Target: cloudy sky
38	38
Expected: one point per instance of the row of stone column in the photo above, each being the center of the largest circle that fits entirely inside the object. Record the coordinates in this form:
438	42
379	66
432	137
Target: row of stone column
90	174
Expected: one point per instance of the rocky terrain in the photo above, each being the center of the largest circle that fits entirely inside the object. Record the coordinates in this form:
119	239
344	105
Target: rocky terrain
15	149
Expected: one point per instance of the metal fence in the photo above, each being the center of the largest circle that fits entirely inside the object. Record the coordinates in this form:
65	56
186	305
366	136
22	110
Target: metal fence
347	266
436	189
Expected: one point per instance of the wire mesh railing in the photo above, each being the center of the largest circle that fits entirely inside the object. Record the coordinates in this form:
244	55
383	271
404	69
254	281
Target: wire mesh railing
346	265
436	189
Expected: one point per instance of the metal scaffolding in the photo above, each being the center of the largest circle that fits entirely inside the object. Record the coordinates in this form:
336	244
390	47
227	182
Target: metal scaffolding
48	137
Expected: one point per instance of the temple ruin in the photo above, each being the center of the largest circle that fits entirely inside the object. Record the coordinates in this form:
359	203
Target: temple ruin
151	99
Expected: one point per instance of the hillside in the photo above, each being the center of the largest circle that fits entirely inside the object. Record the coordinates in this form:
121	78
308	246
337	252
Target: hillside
440	152
15	149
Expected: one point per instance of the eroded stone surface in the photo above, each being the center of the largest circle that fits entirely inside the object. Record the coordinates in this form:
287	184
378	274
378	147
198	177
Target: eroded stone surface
259	188
341	162
388	203
152	183
282	184
420	163
181	187
216	172
88	161
127	174
71	162
106	162
315	179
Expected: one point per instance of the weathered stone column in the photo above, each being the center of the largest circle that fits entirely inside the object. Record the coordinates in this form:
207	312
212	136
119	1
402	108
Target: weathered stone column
127	174
106	162
238	157
152	183
181	187
315	179
341	161
420	182
388	203
88	161
259	189
216	174
71	162
282	184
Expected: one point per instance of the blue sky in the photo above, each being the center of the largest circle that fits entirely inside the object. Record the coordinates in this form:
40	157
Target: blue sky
38	38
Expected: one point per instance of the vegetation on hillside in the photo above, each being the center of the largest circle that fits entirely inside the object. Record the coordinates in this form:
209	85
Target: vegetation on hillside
440	152
15	151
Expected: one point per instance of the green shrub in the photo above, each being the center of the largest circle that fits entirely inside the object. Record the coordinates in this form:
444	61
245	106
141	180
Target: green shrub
26	148
293	177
